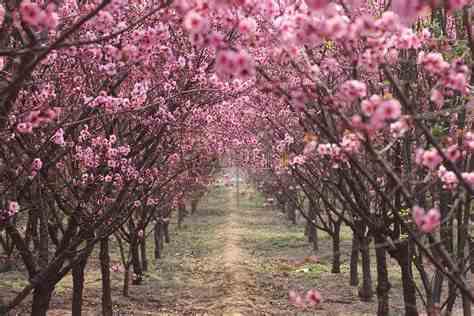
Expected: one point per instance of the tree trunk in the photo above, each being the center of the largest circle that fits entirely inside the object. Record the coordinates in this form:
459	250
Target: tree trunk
105	270
291	213
366	291
312	230
126	280
354	265
166	232
157	235
336	248
78	287
409	290
194	203
143	254
41	298
137	266
43	258
181	214
383	283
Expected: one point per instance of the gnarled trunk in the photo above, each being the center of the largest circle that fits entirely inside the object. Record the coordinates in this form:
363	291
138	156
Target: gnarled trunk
105	270
41	298
366	291
383	284
336	248
354	264
78	287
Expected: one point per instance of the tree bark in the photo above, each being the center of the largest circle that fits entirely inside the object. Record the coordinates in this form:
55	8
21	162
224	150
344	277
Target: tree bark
354	264
383	283
137	266
366	291
157	235
105	270
409	290
41	298
143	254
312	230
336	248
78	287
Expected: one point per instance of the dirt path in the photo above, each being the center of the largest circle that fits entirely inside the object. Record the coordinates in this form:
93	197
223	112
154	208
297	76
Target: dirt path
239	281
227	260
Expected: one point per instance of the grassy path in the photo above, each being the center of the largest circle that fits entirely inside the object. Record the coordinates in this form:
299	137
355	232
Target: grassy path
228	259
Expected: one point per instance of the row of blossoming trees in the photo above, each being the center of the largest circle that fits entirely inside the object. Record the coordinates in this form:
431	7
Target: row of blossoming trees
363	107
103	114
112	114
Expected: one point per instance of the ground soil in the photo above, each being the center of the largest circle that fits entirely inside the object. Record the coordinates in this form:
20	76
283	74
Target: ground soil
232	257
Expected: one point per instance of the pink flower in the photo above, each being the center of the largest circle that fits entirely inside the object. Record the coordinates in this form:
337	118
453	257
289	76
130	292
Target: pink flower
313	297
431	221
58	137
468	177
195	23
248	26
450	180
369	106
418	214
429	158
295	299
140	234
13	207
316	4
37	164
437	98
453	153
389	110
24	128
456	4
310	147
2	14
409	10
31	13
426	222
399	128
353	89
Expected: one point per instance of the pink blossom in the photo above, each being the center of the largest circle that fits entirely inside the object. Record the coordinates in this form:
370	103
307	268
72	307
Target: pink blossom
389	110
437	98
409	10
418	214
450	180
248	26
310	147
2	15
456	4
24	128
37	164
426	222
13	207
313	297
431	221
399	128
453	153
468	177
295	299
195	22
31	13
51	18
429	158
316	4
58	137
353	89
